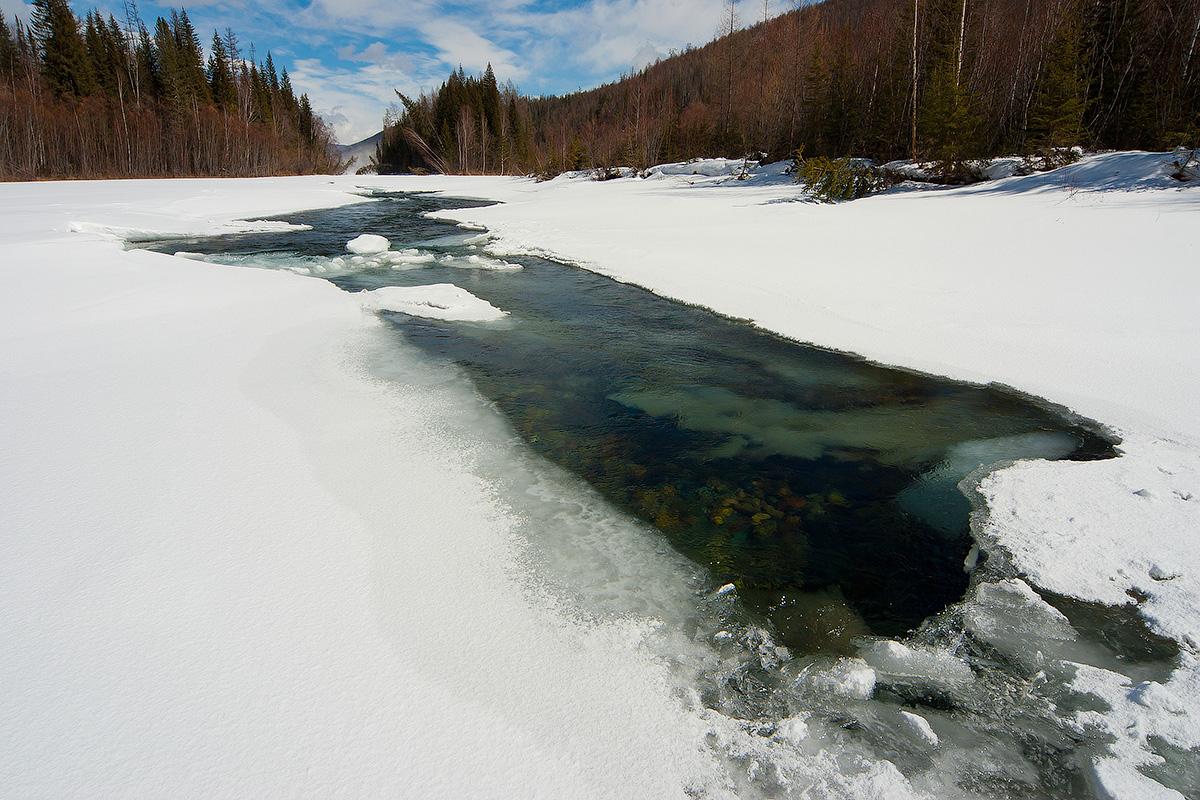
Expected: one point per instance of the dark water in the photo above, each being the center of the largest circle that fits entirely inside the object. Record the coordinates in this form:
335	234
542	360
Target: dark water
810	479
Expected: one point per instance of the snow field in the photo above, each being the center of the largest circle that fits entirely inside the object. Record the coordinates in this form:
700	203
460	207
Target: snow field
1078	286
243	565
238	565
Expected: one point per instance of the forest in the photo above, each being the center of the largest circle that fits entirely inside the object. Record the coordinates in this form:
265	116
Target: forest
939	80
102	98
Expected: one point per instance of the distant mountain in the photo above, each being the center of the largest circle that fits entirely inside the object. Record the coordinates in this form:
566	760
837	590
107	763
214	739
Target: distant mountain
359	153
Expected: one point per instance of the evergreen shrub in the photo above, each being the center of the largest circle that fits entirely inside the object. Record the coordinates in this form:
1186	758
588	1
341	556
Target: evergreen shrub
832	181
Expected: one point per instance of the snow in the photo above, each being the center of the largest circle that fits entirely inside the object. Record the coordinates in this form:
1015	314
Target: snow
1077	286
1135	714
368	244
920	727
236	562
436	301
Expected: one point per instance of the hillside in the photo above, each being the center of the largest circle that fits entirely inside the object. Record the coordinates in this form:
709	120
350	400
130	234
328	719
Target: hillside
359	154
838	78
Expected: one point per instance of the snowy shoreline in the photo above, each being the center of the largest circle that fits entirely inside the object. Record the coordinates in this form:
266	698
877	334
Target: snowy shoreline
1077	286
1085	298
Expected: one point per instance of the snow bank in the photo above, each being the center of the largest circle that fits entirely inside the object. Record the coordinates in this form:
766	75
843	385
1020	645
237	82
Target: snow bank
1077	285
238	564
229	551
436	301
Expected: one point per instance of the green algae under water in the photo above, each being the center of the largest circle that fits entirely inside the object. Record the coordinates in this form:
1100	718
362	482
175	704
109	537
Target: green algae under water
823	486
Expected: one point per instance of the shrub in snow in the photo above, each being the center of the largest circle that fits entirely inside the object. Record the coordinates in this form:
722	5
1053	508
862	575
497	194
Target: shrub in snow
831	181
606	173
958	172
1185	164
1045	159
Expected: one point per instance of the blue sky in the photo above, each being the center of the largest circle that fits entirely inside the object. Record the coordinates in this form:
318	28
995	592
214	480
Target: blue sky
349	55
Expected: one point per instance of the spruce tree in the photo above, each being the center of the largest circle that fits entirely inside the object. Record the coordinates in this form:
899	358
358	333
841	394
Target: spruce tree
1057	112
65	62
190	59
220	76
8	50
491	111
949	124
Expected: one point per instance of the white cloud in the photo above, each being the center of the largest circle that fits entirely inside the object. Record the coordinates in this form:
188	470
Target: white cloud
368	16
377	53
352	101
456	44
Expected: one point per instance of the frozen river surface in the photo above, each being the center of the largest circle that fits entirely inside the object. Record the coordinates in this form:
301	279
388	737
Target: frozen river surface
821	606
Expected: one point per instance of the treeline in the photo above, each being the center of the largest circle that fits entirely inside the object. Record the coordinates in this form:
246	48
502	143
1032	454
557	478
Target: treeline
469	125
936	79
97	98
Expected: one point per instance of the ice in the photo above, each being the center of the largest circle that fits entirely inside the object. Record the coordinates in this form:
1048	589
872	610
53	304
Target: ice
436	301
851	678
368	244
920	727
898	663
1011	617
479	262
987	306
267	613
184	231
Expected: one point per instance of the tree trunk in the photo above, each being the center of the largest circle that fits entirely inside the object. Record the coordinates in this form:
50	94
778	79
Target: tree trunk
962	30
913	148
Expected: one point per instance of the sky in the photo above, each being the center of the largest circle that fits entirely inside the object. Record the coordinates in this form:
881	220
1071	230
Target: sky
350	56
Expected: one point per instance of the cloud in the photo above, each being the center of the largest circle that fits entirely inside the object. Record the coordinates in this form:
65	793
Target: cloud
377	53
352	101
456	44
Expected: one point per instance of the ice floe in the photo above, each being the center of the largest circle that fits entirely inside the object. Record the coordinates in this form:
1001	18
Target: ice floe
436	301
368	244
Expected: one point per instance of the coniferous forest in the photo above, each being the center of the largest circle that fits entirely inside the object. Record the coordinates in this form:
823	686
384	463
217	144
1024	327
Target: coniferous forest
99	98
945	80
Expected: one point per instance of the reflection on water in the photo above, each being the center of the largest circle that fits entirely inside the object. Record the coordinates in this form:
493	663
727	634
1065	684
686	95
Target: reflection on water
823	487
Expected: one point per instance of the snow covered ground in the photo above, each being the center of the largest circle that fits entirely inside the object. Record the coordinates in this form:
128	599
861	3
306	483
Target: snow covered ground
238	563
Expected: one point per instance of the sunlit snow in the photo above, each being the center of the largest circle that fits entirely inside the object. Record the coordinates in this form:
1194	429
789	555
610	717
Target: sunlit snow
252	548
